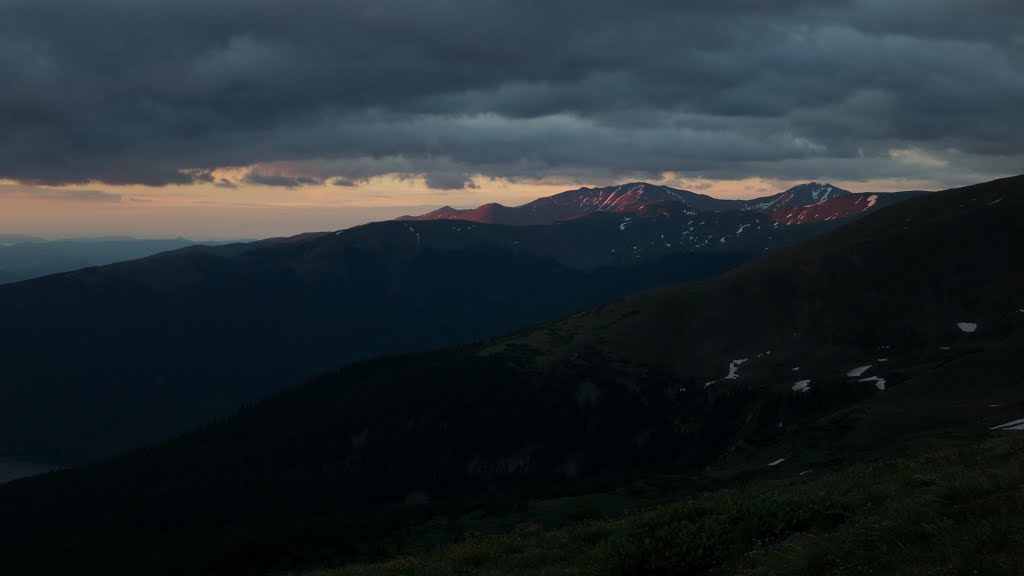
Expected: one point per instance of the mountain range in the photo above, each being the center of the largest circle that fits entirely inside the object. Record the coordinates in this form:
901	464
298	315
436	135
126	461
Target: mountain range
904	323
111	358
27	257
802	204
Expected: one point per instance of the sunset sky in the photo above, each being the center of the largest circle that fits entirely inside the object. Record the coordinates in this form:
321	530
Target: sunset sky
243	119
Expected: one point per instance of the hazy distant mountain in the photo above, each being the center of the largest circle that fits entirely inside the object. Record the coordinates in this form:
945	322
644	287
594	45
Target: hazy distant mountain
7	239
906	321
789	207
25	257
11	470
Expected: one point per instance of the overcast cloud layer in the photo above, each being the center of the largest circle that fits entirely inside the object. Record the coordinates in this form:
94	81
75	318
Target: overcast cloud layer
308	91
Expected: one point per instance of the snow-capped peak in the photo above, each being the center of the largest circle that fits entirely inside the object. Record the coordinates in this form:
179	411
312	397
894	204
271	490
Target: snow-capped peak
815	193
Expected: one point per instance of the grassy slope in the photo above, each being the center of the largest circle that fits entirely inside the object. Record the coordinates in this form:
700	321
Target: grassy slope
910	481
957	510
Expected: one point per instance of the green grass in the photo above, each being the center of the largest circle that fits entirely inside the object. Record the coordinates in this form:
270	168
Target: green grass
951	511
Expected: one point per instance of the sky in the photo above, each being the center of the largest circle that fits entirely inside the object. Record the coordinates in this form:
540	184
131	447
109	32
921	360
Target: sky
254	118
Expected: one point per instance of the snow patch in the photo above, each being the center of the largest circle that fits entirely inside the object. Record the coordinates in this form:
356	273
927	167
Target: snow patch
802	386
742	228
777	462
872	200
879	382
413	230
734	368
1015	425
996	201
858	371
625	222
967	327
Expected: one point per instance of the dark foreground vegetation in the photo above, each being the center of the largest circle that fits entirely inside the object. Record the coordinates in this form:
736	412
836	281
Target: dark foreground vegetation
957	510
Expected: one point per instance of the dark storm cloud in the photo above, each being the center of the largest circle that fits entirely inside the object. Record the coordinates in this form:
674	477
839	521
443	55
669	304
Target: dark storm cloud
65	194
164	91
256	177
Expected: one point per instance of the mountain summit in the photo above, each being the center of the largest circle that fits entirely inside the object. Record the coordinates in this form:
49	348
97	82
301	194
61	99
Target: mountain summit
622	198
809	194
571	204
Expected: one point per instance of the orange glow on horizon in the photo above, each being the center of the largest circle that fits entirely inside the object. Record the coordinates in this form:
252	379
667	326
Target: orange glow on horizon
252	210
